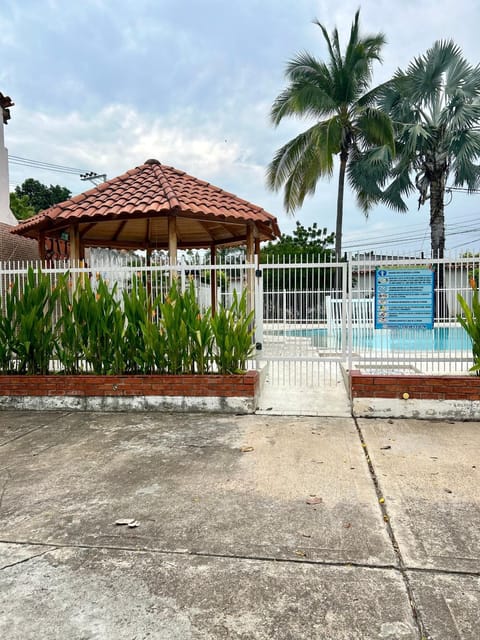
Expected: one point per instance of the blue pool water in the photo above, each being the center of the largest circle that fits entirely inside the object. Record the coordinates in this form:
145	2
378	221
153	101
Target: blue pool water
437	339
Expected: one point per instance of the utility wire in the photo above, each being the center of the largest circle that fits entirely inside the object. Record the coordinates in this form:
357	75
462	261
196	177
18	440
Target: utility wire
401	237
48	166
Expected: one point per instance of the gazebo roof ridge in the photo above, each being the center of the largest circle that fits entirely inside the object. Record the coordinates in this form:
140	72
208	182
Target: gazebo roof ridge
164	183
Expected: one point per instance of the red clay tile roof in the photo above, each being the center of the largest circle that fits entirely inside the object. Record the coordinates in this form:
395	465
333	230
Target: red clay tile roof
134	208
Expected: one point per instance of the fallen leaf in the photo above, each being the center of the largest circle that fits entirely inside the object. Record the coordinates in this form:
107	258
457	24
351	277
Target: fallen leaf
313	500
381	500
246	449
301	553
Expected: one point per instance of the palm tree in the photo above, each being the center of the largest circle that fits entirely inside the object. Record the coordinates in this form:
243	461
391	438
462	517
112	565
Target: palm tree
435	107
335	94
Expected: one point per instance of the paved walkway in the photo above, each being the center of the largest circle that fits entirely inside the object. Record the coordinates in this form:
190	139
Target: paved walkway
259	527
304	389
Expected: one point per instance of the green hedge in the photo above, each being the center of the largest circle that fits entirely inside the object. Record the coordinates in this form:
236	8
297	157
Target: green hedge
100	331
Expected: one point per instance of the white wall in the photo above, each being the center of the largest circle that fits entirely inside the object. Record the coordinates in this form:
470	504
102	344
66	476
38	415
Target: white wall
6	215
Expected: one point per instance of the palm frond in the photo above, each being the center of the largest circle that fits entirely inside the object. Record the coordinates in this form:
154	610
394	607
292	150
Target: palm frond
311	153
425	72
375	128
366	173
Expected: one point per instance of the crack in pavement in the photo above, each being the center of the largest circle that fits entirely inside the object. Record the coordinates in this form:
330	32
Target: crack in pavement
402	568
37	555
42	426
4	488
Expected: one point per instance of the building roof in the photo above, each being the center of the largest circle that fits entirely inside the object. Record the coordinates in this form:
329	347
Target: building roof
132	210
15	248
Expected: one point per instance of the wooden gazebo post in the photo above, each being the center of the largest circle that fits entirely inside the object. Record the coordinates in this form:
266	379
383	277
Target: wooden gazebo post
172	245
213	278
41	246
250	259
74	238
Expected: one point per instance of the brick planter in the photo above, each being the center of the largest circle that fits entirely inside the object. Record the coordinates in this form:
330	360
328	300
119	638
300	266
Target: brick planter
421	387
213	392
418	396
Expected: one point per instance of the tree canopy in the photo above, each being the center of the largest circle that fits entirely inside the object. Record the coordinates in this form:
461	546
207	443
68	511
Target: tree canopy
303	243
32	196
435	107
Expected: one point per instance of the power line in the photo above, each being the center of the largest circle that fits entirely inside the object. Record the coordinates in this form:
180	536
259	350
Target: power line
400	238
47	166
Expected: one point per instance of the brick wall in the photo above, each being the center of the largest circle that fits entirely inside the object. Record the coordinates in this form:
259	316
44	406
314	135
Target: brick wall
136	385
421	387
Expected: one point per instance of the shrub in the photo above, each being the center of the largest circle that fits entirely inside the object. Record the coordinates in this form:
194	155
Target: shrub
233	331
98	330
470	321
32	338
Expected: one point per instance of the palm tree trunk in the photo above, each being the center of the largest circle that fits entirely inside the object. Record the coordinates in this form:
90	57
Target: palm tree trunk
437	216
437	233
341	190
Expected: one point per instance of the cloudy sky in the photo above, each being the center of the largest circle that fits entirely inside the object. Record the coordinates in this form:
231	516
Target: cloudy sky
103	85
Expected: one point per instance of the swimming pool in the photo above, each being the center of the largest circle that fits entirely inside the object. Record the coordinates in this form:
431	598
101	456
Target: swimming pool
408	339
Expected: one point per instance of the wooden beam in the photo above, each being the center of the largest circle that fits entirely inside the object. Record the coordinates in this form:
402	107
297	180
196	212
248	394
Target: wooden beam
74	238
250	250
172	239
119	230
41	245
250	259
147	232
85	229
213	279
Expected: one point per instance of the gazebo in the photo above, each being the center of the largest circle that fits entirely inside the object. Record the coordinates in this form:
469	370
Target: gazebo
153	206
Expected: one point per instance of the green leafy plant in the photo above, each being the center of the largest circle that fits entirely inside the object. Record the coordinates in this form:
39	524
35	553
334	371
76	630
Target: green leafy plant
101	326
34	309
173	322
470	321
8	320
199	332
144	345
233	331
68	346
99	331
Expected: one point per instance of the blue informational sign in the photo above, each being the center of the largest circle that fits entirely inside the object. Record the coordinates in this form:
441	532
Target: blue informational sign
404	298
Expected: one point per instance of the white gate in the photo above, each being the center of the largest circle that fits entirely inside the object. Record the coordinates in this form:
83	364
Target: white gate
296	335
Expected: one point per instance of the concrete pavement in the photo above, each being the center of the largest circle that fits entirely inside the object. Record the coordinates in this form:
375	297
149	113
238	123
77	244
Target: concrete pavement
249	527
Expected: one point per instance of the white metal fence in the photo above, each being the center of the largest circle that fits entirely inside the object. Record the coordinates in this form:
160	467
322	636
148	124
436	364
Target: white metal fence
444	349
310	316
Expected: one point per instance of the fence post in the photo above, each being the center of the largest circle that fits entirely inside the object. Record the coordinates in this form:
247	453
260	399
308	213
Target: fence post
347	280
258	308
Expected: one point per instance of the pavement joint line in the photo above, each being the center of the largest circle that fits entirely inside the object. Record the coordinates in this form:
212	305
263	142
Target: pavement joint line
443	572
62	414
53	546
421	629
